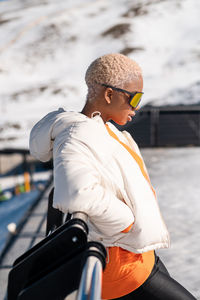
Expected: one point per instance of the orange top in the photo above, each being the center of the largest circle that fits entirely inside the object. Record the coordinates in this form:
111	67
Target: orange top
125	271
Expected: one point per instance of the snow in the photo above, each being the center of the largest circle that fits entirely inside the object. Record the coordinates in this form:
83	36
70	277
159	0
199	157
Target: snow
46	46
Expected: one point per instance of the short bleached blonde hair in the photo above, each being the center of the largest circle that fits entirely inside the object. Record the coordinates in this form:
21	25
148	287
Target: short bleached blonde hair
113	69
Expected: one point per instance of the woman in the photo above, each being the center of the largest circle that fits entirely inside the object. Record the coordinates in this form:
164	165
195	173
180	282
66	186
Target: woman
99	170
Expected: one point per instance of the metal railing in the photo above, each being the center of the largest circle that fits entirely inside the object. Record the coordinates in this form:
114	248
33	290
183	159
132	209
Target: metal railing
63	256
166	126
90	284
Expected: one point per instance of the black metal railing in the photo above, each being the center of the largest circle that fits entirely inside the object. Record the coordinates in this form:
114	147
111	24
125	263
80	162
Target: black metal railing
166	126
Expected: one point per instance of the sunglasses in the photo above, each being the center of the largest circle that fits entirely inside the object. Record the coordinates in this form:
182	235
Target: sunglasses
134	98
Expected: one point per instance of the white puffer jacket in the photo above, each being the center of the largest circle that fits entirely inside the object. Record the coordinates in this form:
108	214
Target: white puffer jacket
95	174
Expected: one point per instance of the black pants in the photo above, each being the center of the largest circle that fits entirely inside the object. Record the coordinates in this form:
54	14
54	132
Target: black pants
159	286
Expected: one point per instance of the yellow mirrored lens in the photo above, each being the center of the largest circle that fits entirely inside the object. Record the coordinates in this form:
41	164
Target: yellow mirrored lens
136	100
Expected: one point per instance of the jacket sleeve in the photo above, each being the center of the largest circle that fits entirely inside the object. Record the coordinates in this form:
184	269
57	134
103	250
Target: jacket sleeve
79	187
40	141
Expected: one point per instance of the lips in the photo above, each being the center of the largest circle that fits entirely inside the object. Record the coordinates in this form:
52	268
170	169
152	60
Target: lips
130	116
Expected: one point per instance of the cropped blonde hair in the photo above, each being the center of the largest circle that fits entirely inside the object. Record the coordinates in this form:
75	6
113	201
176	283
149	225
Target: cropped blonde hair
113	69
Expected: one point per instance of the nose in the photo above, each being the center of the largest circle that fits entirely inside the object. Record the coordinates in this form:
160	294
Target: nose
134	113
133	109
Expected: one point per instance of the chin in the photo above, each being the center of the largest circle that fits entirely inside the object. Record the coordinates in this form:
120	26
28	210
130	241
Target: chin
120	122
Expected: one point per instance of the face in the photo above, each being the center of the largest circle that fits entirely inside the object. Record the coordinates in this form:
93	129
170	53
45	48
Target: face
118	108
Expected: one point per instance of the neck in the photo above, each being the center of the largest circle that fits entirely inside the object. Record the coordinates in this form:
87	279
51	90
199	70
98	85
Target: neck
90	108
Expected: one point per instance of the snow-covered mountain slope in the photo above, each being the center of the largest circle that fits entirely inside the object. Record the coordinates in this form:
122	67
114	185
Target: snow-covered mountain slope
46	46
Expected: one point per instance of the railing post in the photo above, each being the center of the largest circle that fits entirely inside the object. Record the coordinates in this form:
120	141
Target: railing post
154	120
90	284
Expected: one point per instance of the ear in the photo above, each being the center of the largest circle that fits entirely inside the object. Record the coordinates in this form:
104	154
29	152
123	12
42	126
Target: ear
108	95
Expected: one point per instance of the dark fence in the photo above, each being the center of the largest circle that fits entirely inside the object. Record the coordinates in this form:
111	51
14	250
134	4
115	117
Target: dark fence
166	126
15	161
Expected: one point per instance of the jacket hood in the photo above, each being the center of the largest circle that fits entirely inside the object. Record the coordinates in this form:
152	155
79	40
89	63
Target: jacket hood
48	128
